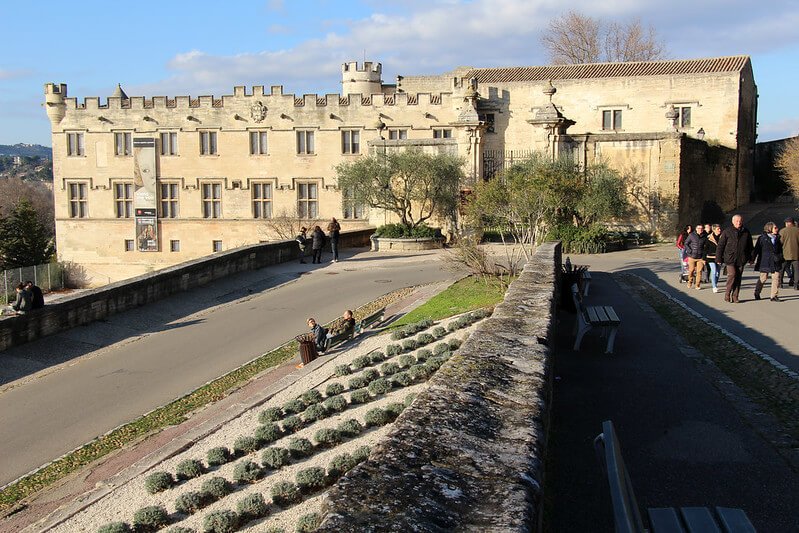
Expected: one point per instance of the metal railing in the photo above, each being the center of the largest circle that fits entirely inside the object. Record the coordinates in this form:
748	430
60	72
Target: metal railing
49	276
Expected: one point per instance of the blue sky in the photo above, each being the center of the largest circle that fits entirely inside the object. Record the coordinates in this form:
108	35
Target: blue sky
175	47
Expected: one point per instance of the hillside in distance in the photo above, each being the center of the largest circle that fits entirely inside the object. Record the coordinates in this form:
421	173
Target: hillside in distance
26	150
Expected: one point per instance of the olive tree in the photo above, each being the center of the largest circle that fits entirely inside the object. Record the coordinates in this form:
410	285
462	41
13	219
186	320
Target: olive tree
412	184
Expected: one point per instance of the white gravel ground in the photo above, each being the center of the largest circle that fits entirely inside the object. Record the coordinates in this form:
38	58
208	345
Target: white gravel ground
122	503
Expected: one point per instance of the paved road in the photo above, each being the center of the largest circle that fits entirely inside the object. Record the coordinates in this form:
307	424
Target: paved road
61	391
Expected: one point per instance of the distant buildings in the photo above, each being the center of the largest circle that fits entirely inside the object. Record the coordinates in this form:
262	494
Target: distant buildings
144	183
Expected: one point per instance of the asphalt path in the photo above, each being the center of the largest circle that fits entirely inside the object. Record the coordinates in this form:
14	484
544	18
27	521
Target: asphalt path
59	392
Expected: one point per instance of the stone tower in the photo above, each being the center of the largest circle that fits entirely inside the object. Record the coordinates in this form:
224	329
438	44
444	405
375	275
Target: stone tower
54	95
364	81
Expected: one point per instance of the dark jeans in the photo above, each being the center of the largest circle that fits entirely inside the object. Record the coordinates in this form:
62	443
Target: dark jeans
334	248
733	287
317	255
790	267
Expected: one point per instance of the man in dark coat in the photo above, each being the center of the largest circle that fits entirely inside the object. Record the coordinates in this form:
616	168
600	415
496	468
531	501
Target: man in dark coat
695	250
317	243
734	250
789	235
768	260
37	298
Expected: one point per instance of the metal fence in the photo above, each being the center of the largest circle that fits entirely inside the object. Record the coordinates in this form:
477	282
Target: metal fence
495	161
49	276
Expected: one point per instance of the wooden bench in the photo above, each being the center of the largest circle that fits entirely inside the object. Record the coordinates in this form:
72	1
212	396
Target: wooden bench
585	276
589	317
360	326
628	518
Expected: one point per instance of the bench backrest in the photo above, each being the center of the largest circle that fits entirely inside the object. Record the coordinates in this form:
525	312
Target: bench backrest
625	508
579	306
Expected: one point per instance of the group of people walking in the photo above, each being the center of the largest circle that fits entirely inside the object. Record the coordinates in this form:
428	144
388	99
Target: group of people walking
29	297
317	241
775	255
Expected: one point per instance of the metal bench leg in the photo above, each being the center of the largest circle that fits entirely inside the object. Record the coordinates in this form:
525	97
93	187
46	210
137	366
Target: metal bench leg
582	330
611	339
586	286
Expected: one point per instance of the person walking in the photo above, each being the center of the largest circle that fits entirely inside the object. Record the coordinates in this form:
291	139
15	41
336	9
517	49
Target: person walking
768	260
711	245
789	235
681	242
333	230
734	250
695	250
706	272
302	241
317	242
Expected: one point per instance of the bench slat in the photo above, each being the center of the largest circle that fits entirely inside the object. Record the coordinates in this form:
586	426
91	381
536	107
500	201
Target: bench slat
664	520
699	520
734	520
612	314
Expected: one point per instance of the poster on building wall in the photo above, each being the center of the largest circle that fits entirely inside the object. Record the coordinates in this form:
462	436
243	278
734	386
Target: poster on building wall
144	194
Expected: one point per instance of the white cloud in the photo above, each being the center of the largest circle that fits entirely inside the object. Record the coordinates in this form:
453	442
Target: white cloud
13	74
780	129
423	37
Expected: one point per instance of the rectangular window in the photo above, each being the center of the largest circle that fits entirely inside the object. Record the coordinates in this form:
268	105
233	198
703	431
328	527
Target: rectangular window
174	246
350	142
257	143
169	143
352	210
442	134
685	116
207	143
77	200
123	199
212	200
216	246
122	144
307	200
75	147
611	119
395	135
169	200
129	245
305	144
262	200
488	120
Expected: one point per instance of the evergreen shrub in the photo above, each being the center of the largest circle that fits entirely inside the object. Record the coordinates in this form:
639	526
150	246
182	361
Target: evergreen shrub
360	396
335	404
452	326
377	357
389	368
189	469
285	493
362	361
270	414
394	409
334	389
407	360
247	472
310	479
401	379
275	457
361	453
370	374
343	370
349	428
300	447
217	487
418	372
439	332
314	412
158	482
422	355
358	382
340	465
218	456
221	522
311	397
293	407
408	345
327	437
191	502
245	444
268	433
292	423
376	417
454	344
424	338
379	386
252	506
308	523
115	527
180	529
440	348
393	349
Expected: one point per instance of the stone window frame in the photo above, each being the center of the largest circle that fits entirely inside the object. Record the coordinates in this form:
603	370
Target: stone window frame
259	142
123	144
209	145
211	199
397	134
168	143
612	119
216	246
305	142
442	133
76	144
174	245
169	205
351	141
130	245
261	206
352	210
123	198
78	199
307	204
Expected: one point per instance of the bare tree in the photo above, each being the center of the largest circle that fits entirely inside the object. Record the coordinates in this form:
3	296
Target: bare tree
788	163
574	38
286	225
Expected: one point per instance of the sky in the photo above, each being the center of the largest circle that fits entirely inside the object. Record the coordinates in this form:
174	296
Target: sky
177	47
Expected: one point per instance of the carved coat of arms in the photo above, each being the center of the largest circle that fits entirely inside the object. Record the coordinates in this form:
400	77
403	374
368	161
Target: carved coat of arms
258	111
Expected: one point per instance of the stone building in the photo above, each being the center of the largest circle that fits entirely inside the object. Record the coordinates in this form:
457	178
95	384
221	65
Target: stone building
145	183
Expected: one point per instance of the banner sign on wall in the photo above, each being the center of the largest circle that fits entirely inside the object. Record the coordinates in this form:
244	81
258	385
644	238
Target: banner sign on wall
144	194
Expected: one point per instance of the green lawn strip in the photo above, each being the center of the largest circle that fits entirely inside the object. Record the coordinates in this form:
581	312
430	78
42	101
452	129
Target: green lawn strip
464	295
761	382
169	415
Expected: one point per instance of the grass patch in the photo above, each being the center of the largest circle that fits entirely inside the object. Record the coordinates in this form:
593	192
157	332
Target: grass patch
464	295
171	414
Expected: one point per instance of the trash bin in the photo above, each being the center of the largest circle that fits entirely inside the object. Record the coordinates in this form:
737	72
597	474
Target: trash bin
307	348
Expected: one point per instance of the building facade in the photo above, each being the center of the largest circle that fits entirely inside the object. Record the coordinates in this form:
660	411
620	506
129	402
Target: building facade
144	183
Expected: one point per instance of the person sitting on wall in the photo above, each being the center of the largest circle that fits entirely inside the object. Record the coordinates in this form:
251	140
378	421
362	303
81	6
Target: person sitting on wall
37	298
22	304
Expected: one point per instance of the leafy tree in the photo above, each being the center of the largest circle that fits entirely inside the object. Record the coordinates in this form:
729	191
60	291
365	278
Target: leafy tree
788	164
412	184
603	198
574	38
24	240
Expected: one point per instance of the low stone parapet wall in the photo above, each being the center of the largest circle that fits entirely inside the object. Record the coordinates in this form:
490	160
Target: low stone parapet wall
100	303
468	454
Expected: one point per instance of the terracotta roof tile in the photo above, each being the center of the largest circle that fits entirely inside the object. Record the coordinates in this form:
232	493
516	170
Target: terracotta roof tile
609	70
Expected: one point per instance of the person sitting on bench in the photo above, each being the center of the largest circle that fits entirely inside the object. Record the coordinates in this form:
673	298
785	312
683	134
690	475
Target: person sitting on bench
319	334
347	325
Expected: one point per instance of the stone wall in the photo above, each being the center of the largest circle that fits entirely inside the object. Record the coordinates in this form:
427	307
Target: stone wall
468	454
101	303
